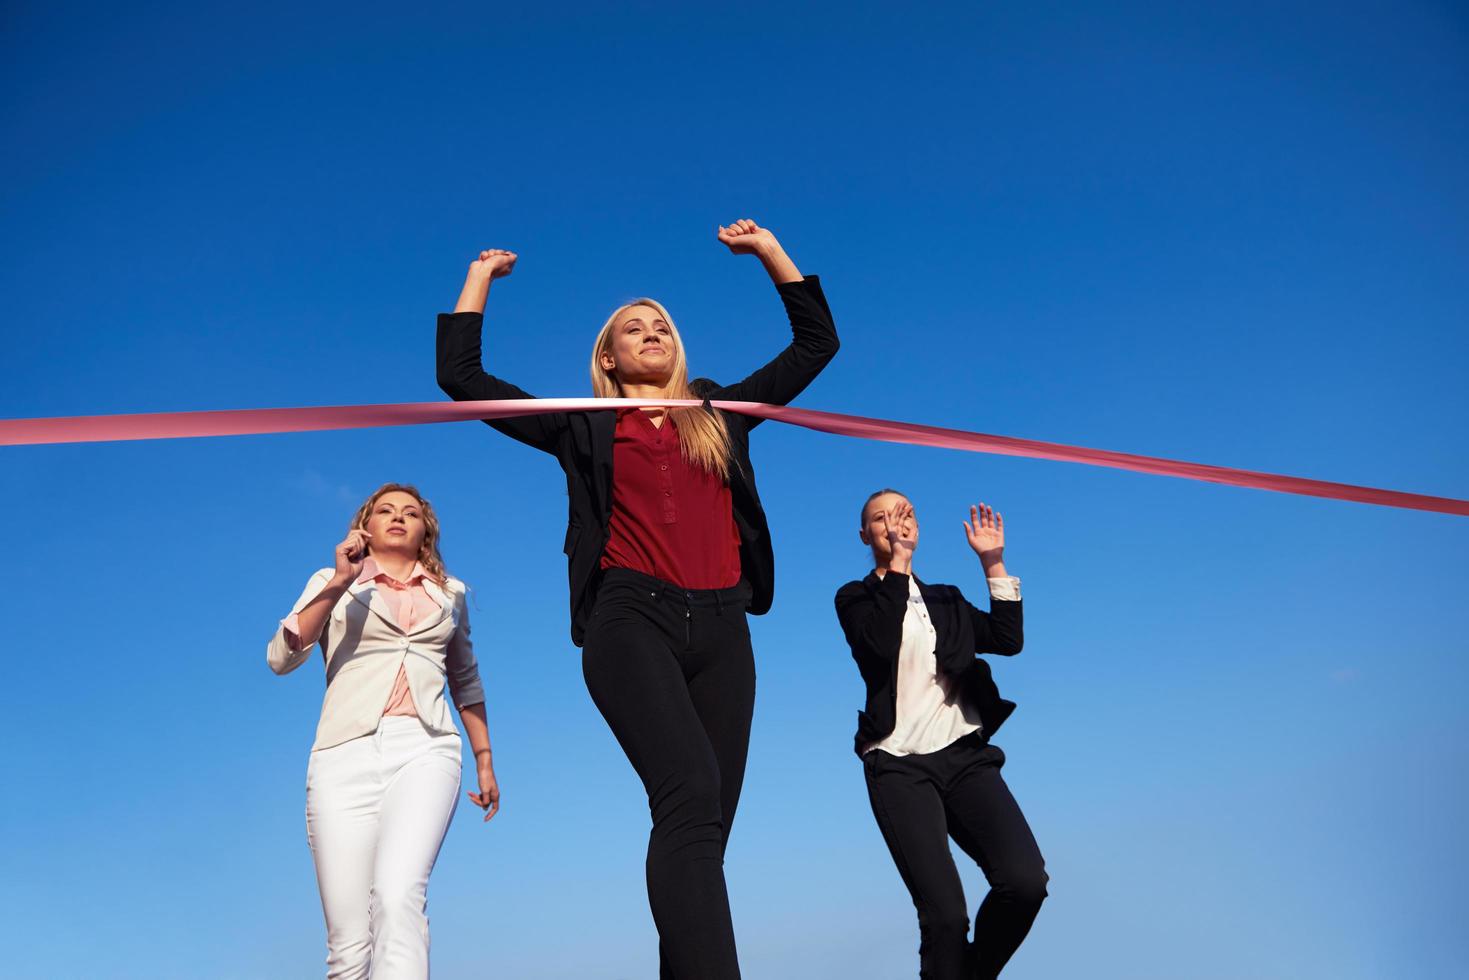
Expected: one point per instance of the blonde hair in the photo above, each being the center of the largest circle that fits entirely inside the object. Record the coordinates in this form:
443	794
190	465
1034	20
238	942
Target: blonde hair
428	551
703	437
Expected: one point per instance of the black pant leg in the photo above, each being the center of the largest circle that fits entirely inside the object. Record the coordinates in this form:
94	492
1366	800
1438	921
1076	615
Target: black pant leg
986	822
909	808
720	666
635	678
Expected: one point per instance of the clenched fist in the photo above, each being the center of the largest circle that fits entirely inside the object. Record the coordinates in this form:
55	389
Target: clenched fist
493	263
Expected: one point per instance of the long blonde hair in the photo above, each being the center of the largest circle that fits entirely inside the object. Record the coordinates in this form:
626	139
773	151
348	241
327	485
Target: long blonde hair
428	551
703	437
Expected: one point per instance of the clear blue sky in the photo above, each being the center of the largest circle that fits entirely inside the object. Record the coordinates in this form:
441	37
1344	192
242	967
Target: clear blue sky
1231	233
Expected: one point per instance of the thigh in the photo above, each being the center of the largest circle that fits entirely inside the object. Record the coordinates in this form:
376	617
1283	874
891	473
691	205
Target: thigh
910	813
637	683
987	823
342	810
417	809
722	689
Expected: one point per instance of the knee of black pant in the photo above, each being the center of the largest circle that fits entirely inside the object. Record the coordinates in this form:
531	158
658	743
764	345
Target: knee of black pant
687	804
944	925
1026	889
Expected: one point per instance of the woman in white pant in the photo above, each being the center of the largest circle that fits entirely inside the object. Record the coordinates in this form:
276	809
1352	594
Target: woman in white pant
383	780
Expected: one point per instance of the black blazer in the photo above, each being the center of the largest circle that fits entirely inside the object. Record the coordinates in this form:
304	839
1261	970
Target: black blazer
871	613
582	441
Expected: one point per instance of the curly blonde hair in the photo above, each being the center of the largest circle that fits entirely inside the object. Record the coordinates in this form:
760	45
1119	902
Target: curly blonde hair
428	551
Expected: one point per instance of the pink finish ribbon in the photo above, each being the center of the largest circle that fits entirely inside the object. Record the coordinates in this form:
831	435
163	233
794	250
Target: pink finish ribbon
178	425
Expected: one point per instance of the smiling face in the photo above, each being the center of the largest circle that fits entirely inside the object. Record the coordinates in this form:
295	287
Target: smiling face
874	529
641	347
396	522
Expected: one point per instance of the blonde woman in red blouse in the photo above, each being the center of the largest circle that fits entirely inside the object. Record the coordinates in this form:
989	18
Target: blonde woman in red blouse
668	549
383	780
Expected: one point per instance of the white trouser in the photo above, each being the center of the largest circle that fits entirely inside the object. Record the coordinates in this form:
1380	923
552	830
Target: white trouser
377	809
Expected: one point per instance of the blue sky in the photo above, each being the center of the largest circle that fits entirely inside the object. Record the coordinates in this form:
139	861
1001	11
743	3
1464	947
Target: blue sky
1234	234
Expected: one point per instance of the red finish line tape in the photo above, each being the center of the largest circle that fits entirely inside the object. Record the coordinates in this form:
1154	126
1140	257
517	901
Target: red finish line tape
260	421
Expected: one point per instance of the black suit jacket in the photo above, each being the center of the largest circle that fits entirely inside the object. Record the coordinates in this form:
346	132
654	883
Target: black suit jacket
871	613
582	441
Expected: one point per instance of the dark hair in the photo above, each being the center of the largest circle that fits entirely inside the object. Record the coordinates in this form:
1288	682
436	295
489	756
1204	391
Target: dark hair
862	518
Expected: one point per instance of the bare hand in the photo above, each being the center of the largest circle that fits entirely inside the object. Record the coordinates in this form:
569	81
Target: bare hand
986	532
744	237
350	554
493	263
902	531
488	797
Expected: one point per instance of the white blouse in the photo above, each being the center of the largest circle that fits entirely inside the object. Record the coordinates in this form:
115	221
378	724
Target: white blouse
931	714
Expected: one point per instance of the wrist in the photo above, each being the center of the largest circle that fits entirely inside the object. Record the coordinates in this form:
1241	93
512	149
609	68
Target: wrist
995	569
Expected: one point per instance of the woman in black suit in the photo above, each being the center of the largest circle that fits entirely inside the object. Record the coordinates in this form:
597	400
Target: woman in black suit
931	771
668	548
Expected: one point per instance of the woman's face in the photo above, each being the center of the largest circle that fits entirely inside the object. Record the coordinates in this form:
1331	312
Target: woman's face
874	530
396	524
642	348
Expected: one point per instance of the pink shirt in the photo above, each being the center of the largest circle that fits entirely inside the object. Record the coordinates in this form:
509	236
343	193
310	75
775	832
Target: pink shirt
409	602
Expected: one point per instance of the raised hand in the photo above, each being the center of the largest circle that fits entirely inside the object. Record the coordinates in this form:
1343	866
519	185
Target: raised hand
901	528
350	554
744	237
985	530
493	263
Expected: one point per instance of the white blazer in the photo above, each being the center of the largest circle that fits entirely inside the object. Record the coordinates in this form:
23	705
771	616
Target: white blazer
364	646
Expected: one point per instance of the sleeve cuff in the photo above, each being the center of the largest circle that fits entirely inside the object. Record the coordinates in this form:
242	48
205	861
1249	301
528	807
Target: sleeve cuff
1007	588
292	627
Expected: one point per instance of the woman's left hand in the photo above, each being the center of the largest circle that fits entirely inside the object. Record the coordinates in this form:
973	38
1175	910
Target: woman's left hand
986	532
744	237
488	797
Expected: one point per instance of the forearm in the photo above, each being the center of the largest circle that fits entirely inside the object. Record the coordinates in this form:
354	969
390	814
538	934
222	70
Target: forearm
778	264
478	730
475	293
311	619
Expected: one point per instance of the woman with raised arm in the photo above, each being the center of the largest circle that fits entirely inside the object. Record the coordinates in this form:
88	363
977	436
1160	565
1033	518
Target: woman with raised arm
383	780
668	548
924	738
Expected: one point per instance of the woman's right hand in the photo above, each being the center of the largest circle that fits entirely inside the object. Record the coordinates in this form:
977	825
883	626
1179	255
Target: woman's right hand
901	529
493	263
350	555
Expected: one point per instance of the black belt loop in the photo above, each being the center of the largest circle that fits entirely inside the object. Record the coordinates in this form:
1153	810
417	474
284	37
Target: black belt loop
719	602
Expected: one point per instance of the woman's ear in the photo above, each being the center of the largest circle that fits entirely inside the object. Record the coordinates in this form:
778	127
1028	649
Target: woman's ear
862	533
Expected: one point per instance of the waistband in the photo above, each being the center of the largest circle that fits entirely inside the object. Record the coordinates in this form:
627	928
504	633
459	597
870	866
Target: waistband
737	595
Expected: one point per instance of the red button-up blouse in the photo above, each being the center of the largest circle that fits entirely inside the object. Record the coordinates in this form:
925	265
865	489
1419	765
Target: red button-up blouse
670	520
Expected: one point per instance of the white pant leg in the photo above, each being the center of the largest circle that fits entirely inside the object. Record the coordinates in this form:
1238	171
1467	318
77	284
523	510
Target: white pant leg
417	805
343	795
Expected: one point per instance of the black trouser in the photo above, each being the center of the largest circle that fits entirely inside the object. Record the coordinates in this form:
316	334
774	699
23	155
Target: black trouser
672	672
922	800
